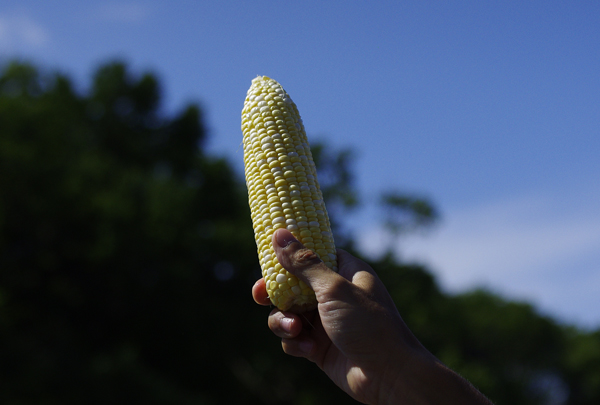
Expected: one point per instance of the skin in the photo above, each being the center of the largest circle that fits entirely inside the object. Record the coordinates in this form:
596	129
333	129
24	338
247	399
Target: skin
356	335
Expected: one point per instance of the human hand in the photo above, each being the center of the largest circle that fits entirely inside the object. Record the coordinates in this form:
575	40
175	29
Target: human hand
356	335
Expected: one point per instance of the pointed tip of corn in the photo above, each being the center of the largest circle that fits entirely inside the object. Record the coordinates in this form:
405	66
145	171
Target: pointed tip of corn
260	78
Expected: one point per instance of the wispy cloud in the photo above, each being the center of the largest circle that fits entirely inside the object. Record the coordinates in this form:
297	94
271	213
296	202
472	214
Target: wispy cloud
124	12
18	31
543	248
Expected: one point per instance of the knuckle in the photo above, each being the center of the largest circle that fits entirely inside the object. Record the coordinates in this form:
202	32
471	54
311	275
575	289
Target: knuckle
305	257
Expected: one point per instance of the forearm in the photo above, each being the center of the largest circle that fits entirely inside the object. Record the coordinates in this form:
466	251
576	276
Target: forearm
428	381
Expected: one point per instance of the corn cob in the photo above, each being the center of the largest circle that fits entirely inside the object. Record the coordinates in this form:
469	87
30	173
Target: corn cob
283	191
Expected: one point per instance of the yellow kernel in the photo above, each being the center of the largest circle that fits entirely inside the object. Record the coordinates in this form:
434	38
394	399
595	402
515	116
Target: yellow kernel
322	252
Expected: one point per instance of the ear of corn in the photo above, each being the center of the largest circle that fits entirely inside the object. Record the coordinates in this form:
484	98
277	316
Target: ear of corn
283	189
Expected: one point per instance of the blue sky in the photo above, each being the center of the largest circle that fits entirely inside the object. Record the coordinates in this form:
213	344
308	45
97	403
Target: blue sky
490	109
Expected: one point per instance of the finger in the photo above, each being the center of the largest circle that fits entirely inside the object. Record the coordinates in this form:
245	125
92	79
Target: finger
302	262
259	293
312	343
284	324
356	271
363	276
299	347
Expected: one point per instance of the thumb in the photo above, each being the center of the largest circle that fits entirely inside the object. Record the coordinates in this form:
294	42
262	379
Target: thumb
302	262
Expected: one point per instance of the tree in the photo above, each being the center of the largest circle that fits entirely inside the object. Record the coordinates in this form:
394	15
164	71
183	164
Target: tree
127	257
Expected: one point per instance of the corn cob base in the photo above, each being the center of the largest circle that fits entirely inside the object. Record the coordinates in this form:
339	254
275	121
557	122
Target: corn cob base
283	191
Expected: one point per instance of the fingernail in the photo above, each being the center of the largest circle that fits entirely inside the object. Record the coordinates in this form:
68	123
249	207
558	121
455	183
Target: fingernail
286	324
284	238
306	346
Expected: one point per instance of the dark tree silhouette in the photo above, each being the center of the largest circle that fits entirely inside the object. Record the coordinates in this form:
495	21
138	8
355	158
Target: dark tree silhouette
127	257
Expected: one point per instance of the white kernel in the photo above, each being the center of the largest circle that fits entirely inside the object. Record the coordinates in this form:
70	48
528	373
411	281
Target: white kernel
313	224
302	224
292	227
281	278
266	146
278	220
296	290
292	154
290	221
326	234
332	256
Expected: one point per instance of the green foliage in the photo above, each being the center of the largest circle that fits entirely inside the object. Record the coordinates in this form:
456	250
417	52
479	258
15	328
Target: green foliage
336	180
504	348
405	213
582	367
127	257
